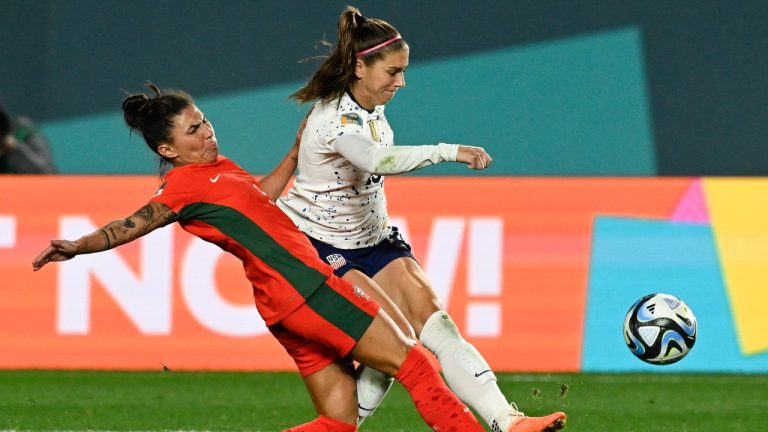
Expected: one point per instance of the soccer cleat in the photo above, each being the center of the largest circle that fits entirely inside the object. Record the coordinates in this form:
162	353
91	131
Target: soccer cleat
548	423
516	421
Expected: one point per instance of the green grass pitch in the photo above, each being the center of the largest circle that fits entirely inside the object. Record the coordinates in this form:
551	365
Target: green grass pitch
223	401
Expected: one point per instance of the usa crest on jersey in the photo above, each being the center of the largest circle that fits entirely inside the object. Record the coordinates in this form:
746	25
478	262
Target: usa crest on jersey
336	261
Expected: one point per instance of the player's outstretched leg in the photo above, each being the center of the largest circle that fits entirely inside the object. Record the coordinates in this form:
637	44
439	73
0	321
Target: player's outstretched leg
469	376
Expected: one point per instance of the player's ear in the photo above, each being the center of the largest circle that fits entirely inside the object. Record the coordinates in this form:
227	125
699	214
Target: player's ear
167	151
359	69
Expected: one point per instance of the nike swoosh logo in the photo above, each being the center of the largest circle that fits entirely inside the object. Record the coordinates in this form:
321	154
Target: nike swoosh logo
364	408
481	373
215	179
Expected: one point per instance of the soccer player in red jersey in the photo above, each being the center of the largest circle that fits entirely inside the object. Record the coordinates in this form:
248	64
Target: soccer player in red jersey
322	321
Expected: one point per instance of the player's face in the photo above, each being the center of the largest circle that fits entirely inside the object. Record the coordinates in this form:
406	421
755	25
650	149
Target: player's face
378	82
194	141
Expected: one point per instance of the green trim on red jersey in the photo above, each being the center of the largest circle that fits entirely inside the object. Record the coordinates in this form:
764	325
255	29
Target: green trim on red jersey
339	311
244	231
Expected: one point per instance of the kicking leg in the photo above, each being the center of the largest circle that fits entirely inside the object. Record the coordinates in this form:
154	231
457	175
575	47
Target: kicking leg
464	368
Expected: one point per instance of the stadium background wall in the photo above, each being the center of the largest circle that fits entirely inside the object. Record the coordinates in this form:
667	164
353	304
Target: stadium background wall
550	88
539	281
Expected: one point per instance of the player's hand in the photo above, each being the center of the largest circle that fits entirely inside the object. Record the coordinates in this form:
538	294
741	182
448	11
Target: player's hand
475	157
59	250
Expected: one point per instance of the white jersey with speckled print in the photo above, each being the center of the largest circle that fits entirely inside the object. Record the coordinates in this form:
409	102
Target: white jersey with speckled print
331	199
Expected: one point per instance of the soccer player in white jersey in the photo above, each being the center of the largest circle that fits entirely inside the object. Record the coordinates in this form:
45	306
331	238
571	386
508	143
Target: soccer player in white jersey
338	200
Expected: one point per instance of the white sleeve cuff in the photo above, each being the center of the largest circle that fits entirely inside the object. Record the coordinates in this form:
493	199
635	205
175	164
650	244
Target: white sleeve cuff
448	152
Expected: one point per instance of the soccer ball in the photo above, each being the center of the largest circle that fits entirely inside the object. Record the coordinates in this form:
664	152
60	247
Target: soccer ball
660	329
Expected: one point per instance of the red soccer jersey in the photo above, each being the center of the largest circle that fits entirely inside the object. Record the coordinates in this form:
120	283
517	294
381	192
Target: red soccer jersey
221	203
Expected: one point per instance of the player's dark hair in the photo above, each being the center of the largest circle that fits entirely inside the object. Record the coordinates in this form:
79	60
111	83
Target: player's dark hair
355	33
153	116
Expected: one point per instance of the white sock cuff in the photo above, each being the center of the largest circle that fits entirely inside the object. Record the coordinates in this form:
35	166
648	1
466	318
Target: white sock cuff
438	331
432	318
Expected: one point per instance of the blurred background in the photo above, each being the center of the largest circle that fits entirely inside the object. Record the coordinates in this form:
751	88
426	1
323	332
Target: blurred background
560	87
629	141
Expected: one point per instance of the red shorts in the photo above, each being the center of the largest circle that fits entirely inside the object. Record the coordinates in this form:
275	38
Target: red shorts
327	326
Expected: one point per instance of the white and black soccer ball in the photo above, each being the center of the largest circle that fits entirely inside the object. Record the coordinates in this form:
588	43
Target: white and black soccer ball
660	329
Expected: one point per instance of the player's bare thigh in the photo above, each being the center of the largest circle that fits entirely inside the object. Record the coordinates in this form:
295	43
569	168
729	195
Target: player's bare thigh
374	291
407	285
383	346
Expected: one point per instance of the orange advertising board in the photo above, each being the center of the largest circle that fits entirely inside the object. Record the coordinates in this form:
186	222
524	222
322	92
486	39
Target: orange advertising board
509	257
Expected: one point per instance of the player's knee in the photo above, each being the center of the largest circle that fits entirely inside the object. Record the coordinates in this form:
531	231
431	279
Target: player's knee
420	313
393	360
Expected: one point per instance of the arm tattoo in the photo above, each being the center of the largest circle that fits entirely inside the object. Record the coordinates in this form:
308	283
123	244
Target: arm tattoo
149	217
146	213
106	238
168	216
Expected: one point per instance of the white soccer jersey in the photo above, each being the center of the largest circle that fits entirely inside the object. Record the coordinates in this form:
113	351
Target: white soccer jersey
338	194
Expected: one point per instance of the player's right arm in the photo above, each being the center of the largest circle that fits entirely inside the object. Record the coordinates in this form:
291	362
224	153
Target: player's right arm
147	219
374	158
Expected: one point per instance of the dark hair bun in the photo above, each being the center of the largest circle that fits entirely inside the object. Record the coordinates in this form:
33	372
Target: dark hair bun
135	109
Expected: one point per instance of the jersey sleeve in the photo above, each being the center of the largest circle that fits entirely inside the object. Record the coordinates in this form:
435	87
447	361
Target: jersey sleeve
337	124
374	158
172	193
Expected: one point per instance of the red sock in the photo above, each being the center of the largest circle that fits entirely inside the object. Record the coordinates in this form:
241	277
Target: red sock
438	406
324	424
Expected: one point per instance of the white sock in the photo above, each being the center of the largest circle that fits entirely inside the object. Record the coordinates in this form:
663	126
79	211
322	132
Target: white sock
466	372
372	386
